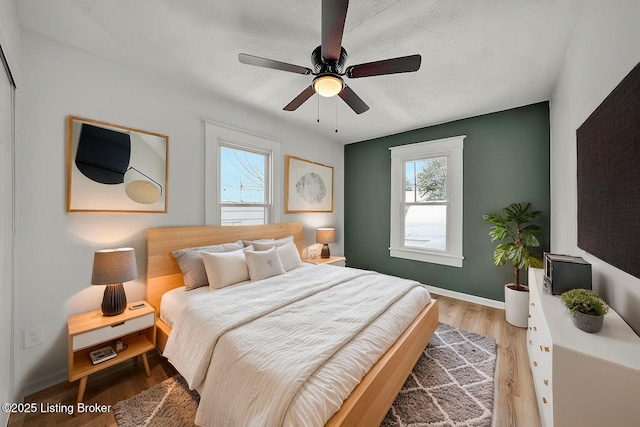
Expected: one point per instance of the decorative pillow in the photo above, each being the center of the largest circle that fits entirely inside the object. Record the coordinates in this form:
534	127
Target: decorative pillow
263	264
225	268
263	246
289	256
190	262
248	243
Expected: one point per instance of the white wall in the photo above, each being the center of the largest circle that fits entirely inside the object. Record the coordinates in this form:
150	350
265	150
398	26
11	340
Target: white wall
604	48
6	238
10	42
10	35
54	248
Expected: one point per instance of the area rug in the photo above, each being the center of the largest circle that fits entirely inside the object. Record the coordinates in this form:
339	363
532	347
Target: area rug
450	385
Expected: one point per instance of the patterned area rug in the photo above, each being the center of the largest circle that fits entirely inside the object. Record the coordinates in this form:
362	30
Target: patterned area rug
450	385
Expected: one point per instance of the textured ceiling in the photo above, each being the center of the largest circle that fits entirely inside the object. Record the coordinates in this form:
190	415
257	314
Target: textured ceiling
478	56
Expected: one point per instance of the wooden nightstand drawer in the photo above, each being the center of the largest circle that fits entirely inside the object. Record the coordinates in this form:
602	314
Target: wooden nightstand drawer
110	332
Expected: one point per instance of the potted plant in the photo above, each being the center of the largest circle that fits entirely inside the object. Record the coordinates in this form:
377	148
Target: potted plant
586	307
513	226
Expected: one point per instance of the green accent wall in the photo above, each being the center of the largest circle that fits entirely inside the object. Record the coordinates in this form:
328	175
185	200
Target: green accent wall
506	160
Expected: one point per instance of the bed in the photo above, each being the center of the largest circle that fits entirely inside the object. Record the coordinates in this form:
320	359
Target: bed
369	401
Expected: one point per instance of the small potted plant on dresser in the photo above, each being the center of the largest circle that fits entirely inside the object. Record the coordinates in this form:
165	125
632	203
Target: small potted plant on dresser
514	226
586	307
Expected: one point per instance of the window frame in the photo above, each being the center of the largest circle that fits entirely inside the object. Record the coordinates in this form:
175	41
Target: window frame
452	149
267	205
217	136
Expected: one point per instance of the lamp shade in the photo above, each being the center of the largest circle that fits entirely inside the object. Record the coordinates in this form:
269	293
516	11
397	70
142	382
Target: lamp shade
325	235
114	266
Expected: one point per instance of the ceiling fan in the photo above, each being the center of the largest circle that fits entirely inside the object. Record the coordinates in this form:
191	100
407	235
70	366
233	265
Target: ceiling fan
328	61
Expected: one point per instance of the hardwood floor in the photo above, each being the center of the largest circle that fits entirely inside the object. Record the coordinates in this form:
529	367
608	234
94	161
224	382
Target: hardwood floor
515	403
104	388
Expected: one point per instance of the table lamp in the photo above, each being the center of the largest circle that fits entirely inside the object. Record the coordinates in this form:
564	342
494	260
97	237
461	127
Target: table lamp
111	267
325	236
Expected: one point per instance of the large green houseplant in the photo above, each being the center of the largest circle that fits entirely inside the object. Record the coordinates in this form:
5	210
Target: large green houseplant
522	236
514	227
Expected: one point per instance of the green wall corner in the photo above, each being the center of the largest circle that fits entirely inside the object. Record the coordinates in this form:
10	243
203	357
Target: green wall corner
506	160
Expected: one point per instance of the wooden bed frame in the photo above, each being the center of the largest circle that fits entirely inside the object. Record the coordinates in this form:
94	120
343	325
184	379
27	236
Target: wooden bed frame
369	402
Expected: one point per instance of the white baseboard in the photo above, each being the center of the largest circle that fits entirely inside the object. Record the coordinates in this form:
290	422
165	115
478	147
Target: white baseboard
465	297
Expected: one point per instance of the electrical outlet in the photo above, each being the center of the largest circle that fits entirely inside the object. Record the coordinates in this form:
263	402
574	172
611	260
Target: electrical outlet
33	337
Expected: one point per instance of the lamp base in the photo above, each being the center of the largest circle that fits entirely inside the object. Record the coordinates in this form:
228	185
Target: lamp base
114	301
325	251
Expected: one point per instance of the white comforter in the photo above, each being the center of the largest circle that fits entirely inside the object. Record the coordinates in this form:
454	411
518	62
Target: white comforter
257	344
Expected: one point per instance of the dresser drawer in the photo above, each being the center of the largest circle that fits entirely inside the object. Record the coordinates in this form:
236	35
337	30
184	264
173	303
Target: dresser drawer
111	332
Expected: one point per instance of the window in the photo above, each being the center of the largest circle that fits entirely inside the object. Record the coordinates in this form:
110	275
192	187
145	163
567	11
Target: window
240	169
243	190
426	201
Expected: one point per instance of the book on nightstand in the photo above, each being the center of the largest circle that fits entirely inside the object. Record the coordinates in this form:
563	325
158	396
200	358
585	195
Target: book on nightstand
102	355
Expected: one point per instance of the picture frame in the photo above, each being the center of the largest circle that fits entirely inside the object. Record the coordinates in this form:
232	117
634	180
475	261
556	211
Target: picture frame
114	168
308	186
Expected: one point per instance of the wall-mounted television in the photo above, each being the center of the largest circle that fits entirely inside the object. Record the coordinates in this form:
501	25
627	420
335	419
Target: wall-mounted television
608	157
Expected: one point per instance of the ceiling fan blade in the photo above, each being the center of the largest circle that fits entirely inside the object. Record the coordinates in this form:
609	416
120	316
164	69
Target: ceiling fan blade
300	99
270	63
334	14
353	100
404	64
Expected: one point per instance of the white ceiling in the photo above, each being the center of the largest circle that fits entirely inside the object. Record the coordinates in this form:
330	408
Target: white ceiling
478	56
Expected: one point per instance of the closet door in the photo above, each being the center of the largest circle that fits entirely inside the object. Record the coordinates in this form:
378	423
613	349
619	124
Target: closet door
6	233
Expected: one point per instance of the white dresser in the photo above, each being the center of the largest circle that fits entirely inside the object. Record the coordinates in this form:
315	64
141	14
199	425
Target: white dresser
581	379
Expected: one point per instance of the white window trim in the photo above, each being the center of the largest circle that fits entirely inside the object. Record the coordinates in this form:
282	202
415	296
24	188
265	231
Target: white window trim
216	134
446	147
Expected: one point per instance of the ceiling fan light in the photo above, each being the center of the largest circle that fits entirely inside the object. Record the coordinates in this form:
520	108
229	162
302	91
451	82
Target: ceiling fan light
328	85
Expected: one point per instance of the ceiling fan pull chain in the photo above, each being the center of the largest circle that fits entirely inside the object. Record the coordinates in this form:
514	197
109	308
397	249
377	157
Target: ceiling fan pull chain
318	116
336	103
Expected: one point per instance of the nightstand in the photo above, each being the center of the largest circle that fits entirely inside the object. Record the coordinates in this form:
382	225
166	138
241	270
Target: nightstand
91	331
338	261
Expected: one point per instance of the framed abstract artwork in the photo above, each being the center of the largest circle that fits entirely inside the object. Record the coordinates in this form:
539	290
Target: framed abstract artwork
308	186
114	168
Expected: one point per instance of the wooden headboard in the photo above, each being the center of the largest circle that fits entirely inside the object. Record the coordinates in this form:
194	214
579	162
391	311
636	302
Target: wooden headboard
163	273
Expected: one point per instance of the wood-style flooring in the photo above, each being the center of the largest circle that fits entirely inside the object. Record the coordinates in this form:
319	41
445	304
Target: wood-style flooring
515	403
515	398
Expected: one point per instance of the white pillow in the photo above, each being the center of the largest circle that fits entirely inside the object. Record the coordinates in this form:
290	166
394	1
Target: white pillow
224	269
264	245
263	264
190	262
289	256
248	243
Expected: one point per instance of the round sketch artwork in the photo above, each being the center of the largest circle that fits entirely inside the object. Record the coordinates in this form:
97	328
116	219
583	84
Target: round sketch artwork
311	188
